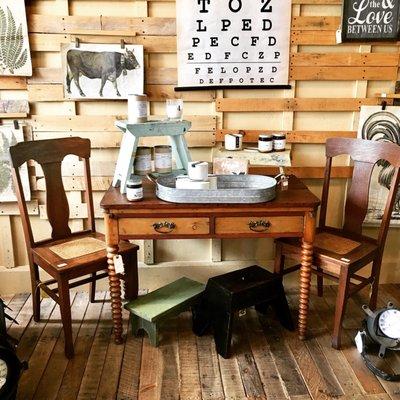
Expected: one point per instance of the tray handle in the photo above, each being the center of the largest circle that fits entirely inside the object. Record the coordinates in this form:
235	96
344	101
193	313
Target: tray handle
164	227
259	226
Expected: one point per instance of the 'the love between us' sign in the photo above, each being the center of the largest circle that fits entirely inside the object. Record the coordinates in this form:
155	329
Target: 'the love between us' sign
233	43
370	20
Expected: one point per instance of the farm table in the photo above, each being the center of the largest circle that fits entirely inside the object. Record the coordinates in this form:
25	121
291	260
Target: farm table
291	214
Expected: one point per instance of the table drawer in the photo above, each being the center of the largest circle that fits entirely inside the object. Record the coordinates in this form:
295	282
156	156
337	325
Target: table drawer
258	225
164	227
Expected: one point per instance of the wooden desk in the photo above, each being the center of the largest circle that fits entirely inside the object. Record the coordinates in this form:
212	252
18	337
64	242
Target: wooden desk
291	214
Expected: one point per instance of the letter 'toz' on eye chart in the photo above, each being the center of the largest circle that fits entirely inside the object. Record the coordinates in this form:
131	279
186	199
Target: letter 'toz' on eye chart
233	43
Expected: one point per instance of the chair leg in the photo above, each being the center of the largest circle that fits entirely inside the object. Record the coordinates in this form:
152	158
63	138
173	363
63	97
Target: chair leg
34	271
279	260
92	288
341	301
375	273
131	281
65	308
222	327
320	283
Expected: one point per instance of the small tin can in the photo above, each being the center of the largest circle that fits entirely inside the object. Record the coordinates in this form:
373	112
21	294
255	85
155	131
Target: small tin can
143	161
233	142
137	108
163	159
265	144
134	188
279	141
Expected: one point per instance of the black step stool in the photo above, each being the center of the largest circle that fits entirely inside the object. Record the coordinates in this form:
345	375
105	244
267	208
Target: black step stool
227	294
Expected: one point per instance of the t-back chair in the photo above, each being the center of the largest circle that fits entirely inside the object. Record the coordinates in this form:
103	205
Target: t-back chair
340	253
66	256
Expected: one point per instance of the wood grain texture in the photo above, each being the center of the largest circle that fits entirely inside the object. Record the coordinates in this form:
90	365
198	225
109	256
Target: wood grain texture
12	83
75	369
267	362
39	360
297	104
190	384
251	136
56	366
92	123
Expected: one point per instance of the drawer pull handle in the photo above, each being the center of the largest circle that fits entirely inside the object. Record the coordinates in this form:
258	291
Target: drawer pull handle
164	227
259	226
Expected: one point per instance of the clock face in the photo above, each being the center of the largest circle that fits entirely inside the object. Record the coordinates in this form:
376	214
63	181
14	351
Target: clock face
389	323
3	373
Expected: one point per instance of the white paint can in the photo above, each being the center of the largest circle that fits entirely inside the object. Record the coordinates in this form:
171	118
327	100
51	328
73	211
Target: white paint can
198	170
233	142
137	108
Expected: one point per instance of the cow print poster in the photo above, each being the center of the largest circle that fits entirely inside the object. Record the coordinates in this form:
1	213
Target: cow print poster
102	71
233	43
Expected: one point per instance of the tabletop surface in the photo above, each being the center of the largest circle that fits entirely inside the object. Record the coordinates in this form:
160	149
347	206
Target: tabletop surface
297	195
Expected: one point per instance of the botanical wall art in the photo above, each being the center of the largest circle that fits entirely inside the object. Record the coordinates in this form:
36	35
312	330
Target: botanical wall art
370	20
9	137
381	125
15	57
233	43
102	71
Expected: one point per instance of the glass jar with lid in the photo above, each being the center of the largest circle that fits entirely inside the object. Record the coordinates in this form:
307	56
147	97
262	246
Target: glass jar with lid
134	188
279	141
265	143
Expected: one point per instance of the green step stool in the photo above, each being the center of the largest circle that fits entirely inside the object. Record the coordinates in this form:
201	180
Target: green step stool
148	312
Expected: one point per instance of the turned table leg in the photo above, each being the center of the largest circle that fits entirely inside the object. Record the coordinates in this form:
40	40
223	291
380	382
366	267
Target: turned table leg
112	240
305	272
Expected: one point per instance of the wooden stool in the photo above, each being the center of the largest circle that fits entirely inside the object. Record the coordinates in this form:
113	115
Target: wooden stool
150	311
227	294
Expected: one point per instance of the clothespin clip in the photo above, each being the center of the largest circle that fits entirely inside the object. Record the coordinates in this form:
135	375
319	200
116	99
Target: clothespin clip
77	43
384	105
16	124
122	44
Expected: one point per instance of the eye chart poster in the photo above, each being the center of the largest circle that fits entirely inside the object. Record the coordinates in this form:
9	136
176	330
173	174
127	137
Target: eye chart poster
233	43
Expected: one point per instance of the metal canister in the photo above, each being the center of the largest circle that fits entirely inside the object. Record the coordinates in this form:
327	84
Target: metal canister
143	160
163	159
137	108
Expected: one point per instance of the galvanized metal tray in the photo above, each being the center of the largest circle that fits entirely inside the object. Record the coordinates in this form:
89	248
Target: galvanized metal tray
232	189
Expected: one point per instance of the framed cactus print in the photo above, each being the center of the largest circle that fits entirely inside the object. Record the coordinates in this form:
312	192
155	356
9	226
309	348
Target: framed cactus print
15	57
9	136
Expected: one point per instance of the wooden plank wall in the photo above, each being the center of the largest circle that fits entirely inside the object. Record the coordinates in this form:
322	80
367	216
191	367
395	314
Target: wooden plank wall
330	83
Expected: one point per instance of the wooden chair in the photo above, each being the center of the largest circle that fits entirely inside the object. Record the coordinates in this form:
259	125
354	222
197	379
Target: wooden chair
66	256
340	253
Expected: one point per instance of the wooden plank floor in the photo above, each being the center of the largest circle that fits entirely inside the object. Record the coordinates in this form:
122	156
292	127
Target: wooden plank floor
268	362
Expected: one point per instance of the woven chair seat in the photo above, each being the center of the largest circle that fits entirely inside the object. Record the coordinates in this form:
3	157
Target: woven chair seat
78	247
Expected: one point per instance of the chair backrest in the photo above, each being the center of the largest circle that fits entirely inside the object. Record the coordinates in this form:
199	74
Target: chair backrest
365	155
50	154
